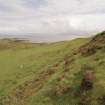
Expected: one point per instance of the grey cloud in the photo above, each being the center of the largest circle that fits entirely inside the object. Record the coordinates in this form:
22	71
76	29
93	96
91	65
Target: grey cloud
33	3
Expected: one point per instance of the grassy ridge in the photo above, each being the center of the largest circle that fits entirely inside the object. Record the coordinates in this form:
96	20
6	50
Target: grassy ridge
50	74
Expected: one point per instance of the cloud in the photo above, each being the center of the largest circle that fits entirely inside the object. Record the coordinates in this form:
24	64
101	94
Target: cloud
88	22
52	17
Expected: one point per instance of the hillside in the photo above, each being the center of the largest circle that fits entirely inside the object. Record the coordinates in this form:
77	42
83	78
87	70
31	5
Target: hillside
62	73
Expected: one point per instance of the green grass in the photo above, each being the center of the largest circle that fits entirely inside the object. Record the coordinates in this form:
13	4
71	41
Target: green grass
32	70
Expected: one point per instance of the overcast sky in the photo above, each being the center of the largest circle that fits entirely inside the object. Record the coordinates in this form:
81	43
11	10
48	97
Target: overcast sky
54	19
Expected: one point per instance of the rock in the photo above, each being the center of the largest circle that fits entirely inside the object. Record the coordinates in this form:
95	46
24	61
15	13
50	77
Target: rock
87	81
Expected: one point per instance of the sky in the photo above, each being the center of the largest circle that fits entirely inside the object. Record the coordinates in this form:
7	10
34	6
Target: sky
52	19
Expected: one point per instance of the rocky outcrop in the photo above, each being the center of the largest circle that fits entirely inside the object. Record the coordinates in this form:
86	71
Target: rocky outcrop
96	43
87	81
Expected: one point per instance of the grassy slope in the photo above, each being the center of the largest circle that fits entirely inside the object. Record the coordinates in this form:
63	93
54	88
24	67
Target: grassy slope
29	74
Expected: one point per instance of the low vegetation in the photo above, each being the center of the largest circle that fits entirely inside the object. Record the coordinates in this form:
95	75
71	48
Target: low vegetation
62	73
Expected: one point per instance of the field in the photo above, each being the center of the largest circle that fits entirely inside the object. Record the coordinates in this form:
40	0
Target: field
51	73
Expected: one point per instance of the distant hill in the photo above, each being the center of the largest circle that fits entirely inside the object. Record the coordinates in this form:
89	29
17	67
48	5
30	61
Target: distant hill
61	73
